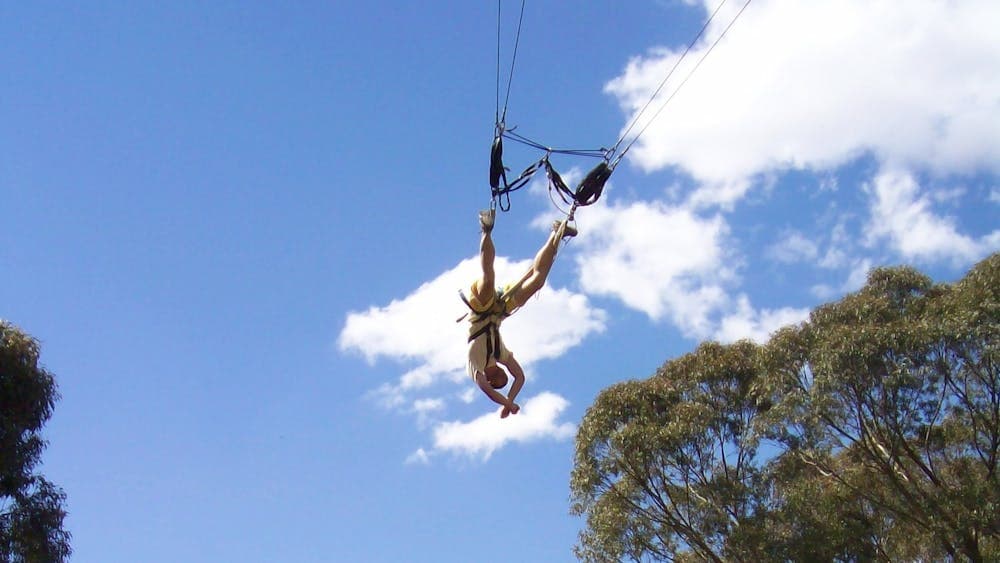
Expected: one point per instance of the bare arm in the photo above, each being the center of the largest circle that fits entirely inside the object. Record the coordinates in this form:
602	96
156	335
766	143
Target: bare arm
515	370
492	393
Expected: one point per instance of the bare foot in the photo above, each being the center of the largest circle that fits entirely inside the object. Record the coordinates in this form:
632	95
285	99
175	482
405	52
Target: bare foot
505	412
514	408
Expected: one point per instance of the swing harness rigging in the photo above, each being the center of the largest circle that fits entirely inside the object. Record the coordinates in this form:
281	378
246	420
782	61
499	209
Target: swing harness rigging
589	190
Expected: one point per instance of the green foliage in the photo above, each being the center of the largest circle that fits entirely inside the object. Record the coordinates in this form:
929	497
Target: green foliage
31	508
870	432
668	465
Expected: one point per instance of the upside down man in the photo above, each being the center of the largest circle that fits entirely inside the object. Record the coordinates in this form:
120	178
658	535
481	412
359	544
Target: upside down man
490	305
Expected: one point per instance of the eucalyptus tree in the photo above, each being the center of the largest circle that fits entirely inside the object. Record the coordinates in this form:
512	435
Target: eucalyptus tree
31	508
669	467
892	395
869	432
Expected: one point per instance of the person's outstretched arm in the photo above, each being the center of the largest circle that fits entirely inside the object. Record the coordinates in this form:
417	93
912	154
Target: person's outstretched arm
492	393
518	374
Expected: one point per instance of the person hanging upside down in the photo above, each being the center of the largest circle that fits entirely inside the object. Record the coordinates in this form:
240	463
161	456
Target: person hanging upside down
491	305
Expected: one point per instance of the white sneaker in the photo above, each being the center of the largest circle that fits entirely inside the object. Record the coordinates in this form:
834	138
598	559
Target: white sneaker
569	232
486	219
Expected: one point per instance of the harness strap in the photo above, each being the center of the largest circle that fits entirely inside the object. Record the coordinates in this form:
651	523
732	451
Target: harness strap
500	186
510	186
480	315
592	186
587	192
492	340
497	169
556	181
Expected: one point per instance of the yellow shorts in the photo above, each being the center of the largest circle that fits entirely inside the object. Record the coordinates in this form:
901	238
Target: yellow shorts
483	307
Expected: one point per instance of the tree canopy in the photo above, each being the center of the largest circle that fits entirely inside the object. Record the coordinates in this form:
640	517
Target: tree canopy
869	432
31	508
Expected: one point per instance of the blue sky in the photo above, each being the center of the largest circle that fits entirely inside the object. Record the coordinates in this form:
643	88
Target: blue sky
238	231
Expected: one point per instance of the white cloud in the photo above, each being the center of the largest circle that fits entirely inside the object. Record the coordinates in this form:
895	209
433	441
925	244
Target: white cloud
828	184
418	327
795	85
425	409
822	291
793	247
836	253
389	396
949	196
419	457
660	260
858	276
904	216
468	395
755	325
428	405
811	85
480	437
995	195
421	327
671	263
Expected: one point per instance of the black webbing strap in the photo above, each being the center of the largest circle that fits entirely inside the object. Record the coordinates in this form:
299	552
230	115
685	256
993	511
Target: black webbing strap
479	315
492	340
476	315
498	173
590	189
497	169
490	329
587	192
556	182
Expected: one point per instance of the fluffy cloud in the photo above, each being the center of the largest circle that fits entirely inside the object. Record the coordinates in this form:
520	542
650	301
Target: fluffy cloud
419	457
808	86
811	85
904	216
672	263
481	437
425	409
856	278
420	330
415	328
793	247
667	262
755	325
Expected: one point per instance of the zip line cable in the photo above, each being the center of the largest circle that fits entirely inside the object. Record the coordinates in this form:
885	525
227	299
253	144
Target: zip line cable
635	120
510	134
497	118
502	118
592	185
683	82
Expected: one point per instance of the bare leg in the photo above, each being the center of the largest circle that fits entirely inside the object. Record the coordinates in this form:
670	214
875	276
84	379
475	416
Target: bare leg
485	287
544	259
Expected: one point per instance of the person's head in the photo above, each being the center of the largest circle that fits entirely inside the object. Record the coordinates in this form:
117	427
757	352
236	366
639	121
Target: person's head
496	376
